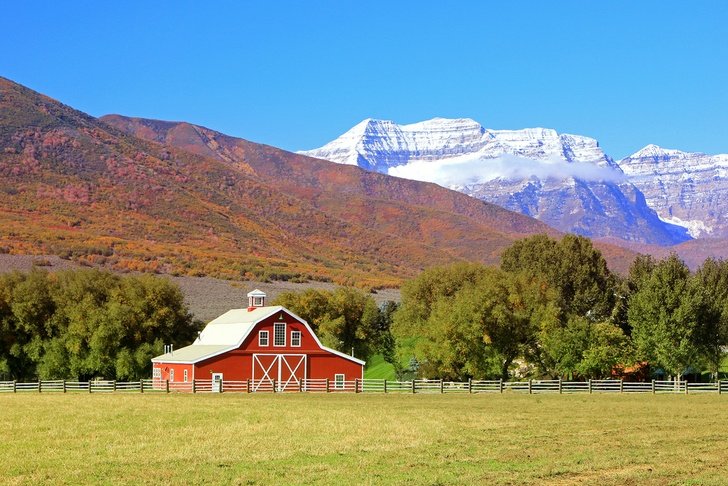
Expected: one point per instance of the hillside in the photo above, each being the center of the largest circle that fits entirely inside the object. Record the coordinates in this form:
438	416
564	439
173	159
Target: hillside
441	218
199	203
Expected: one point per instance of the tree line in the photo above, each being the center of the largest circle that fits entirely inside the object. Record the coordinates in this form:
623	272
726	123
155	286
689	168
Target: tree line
83	324
553	309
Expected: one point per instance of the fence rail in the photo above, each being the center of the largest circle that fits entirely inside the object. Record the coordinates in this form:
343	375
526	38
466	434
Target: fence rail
364	386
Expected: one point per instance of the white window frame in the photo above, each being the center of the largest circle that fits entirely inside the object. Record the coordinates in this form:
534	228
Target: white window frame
185	374
171	375
157	373
260	339
294	335
257	301
285	328
339	381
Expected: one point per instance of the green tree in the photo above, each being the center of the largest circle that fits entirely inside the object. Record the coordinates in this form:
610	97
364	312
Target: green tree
483	327
345	319
712	277
572	266
667	316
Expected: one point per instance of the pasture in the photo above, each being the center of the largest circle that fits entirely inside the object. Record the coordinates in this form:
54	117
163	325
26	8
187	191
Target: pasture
363	439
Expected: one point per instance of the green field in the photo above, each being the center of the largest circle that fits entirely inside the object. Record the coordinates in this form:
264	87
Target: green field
369	439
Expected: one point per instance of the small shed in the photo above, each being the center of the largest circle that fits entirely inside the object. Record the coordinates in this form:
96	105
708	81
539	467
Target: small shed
268	345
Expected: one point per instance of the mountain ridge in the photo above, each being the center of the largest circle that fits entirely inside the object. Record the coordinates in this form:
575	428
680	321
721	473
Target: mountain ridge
564	180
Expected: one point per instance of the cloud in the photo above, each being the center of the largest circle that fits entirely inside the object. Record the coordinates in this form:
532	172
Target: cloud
469	170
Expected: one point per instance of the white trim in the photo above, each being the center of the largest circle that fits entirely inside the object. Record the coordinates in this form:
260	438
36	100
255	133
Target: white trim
267	338
285	329
300	336
171	375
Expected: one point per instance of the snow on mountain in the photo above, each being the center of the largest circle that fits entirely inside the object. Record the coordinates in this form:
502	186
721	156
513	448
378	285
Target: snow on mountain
567	181
686	188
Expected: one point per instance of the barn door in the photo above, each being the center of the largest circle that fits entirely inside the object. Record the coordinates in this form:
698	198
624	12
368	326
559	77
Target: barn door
292	369
284	371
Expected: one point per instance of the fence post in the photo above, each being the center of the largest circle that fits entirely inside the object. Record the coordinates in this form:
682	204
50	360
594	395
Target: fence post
385	386
719	387
247	385
222	386
413	385
327	385
194	386
113	385
530	386
653	387
686	387
40	386
560	386
15	386
621	385
590	386
300	385
500	385
64	386
141	385
470	385
167	385
89	386
442	386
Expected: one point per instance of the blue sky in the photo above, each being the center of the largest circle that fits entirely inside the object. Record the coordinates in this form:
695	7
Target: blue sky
298	74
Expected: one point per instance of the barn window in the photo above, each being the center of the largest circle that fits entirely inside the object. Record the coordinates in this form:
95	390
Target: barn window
263	338
157	373
171	374
279	334
339	381
296	338
257	301
185	377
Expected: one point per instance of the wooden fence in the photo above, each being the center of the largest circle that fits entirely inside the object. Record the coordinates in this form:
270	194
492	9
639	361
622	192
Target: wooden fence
365	386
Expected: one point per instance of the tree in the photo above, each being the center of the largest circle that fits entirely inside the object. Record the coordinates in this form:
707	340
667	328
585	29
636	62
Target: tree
88	323
667	316
572	266
712	277
480	329
345	319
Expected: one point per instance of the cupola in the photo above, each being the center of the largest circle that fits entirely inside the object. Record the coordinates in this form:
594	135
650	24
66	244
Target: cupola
256	298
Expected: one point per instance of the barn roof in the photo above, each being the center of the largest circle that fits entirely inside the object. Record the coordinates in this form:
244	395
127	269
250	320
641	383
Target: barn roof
192	353
232	327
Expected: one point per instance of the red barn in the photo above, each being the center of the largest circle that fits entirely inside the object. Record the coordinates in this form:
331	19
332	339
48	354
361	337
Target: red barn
265	344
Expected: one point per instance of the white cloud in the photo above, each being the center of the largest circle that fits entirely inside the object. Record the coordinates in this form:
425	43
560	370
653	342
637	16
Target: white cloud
467	170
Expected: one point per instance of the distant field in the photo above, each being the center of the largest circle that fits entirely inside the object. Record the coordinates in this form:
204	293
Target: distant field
363	439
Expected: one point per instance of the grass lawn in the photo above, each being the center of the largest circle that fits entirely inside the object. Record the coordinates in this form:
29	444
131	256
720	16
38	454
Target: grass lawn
379	369
363	439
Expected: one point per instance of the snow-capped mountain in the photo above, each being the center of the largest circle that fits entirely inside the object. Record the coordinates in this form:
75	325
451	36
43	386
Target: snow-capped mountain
567	181
685	188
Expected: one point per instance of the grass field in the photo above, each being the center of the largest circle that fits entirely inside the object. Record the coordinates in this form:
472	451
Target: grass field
363	439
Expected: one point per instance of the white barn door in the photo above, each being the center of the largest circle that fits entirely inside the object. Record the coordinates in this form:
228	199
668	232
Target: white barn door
284	371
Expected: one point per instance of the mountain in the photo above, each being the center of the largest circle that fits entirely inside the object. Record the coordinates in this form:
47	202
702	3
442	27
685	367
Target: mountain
176	198
566	181
685	188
